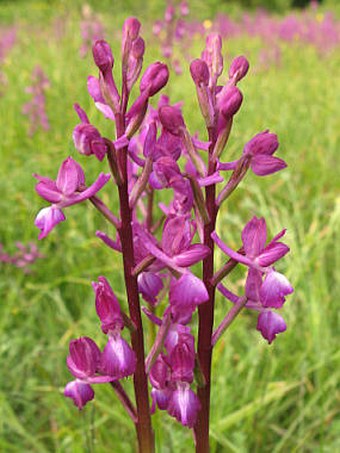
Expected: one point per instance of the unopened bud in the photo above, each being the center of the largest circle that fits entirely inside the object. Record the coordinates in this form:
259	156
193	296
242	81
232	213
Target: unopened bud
199	72
154	78
263	143
238	68
230	101
102	55
171	119
131	28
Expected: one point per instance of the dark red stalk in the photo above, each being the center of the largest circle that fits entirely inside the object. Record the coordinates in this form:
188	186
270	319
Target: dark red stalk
206	315
143	424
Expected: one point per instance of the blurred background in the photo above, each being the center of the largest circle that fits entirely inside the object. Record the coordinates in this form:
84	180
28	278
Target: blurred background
278	398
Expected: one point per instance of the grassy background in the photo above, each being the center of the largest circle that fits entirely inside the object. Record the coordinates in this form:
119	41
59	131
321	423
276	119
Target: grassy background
274	398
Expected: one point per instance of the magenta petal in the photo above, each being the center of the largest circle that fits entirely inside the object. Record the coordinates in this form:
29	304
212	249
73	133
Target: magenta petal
274	289
187	291
149	285
182	359
70	177
107	306
83	360
106	110
272	253
79	392
263	165
47	219
254	236
184	405
48	191
193	254
226	166
230	252
175	333
215	178
118	359
89	192
81	113
159	373
93	88
161	397
270	324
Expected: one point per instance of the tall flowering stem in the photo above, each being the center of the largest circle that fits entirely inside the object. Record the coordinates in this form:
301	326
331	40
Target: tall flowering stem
143	424
206	312
142	159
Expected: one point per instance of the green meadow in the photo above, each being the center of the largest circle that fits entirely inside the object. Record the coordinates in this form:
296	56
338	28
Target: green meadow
278	398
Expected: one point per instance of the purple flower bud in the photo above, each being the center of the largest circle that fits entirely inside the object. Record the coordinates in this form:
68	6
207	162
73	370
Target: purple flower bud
107	306
138	48
84	358
118	359
155	77
47	219
88	140
149	285
270	324
229	101
274	289
262	143
238	68
131	28
102	55
79	392
199	72
213	57
184	405
171	119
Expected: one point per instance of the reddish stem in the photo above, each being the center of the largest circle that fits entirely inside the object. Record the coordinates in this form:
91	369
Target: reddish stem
206	314
143	425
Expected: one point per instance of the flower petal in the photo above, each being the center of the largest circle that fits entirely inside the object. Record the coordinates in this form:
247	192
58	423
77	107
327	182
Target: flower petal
270	324
47	219
79	392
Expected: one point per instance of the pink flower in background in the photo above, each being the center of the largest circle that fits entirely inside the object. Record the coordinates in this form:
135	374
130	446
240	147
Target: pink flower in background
35	109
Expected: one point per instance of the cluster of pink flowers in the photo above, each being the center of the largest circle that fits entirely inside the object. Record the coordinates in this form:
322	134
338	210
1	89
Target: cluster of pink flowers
91	29
35	109
320	30
25	256
152	153
7	41
172	30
